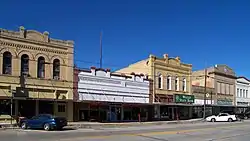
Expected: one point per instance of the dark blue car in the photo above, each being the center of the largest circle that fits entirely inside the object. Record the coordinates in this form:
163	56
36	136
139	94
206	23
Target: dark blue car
44	121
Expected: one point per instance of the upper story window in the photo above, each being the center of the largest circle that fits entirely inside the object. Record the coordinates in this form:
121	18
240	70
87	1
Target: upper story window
7	63
160	79
25	65
184	84
169	82
246	93
56	69
177	84
41	67
243	93
238	92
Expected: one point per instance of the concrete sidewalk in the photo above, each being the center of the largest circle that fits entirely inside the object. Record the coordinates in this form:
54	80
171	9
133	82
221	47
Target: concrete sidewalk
94	125
128	124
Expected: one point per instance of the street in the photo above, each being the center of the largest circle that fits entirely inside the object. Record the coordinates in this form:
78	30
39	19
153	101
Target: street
189	132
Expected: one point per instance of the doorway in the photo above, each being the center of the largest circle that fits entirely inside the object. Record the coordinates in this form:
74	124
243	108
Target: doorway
115	113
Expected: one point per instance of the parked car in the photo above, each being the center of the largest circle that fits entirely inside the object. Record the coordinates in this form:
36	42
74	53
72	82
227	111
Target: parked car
44	121
222	117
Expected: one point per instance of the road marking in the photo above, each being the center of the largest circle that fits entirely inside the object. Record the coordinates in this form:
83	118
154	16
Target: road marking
158	133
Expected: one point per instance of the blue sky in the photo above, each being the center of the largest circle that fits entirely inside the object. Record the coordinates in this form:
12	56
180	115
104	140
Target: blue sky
201	32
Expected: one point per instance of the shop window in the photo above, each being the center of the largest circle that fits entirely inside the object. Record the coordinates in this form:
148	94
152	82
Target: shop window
7	63
61	108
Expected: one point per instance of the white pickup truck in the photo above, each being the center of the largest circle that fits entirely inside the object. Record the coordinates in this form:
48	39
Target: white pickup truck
222	117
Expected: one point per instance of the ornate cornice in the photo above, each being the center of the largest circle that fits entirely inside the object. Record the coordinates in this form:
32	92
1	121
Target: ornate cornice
29	47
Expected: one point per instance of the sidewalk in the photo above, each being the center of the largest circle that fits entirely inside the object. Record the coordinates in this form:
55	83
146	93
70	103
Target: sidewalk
128	124
77	125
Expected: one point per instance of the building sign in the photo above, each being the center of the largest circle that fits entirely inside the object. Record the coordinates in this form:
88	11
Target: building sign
242	103
224	102
201	101
164	98
21	92
181	98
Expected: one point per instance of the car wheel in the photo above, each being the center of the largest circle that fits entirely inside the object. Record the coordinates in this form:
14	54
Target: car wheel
230	120
213	120
24	125
245	117
46	127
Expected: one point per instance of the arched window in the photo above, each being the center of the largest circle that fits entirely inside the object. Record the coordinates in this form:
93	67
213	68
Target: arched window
184	84
25	65
160	81
41	67
169	82
56	69
7	63
177	84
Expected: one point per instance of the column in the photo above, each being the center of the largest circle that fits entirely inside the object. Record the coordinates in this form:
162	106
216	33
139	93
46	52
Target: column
37	107
70	108
122	113
16	107
190	112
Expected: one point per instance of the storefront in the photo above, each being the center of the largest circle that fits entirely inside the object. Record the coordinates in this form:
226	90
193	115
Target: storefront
106	97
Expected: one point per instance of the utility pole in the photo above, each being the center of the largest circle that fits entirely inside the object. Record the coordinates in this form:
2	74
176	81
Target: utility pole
205	93
101	50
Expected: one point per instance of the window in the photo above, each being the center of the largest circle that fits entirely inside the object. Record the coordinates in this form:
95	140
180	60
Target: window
61	108
41	67
169	83
218	87
160	81
184	84
243	93
24	65
7	63
246	93
177	84
238	92
56	69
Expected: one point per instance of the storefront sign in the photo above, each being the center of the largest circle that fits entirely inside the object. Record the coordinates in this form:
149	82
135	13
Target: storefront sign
201	101
242	103
181	98
224	102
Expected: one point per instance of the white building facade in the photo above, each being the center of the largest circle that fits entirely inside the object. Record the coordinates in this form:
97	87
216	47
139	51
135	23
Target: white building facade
101	85
119	97
242	92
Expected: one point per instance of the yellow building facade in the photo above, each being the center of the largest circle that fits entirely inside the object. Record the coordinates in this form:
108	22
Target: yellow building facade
171	82
39	65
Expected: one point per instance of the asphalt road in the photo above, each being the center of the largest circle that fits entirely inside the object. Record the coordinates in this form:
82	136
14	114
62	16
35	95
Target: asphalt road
188	132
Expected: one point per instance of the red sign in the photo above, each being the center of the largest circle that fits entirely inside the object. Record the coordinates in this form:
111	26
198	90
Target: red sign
164	98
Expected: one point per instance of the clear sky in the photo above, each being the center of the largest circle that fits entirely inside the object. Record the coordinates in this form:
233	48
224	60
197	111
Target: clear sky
201	32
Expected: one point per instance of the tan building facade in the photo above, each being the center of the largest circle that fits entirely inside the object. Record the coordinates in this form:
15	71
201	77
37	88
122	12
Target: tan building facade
222	78
171	81
42	67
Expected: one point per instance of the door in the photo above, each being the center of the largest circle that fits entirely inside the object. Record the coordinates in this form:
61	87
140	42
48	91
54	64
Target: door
34	122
